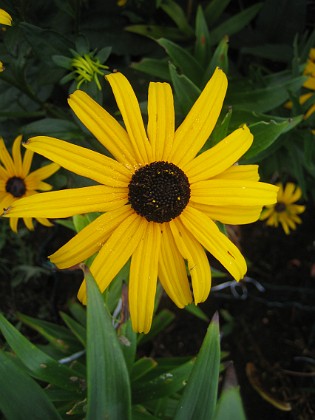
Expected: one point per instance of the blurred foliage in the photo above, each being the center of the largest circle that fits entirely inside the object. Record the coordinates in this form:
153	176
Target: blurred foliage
263	48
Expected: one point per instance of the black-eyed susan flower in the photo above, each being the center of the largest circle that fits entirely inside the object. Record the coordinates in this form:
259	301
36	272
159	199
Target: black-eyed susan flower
285	211
16	180
160	200
5	18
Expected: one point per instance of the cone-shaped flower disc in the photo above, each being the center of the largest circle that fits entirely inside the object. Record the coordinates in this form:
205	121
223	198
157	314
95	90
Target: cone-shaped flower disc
159	198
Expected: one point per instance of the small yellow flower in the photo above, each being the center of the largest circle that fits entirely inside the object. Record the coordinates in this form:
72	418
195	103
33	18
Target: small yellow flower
308	84
284	211
1	67
16	180
159	199
5	18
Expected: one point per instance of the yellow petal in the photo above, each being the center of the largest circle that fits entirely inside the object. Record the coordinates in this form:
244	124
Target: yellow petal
231	215
198	264
291	193
33	180
130	111
81	161
28	223
6	159
90	239
116	252
6	200
232	193
194	131
210	237
14	224
17	158
5	18
143	278
172	270
161	120
44	222
238	172
67	203
4	176
220	157
104	127
27	162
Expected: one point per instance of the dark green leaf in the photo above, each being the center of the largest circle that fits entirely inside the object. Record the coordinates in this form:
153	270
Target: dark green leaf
54	127
218	59
214	10
230	405
107	375
202	45
197	312
156	32
154	67
176	13
141	367
77	329
200	395
21	397
160	322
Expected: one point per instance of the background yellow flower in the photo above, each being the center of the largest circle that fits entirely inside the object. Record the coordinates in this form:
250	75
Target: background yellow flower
16	180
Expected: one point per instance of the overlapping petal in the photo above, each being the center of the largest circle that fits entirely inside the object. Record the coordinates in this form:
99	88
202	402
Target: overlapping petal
81	161
67	203
161	120
5	18
143	278
196	128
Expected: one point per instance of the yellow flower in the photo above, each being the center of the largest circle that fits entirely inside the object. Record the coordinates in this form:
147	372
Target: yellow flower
159	199
17	181
308	84
1	67
284	211
5	18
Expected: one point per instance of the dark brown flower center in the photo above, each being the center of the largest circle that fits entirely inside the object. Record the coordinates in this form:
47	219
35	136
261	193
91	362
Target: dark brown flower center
15	186
280	207
159	191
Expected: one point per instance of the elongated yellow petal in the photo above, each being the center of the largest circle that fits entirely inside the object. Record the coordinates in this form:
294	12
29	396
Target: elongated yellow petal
231	215
220	157
28	223
6	159
143	278
217	192
67	203
291	193
17	158
27	162
194	131
4	175
44	222
81	161
5	18
238	172
90	239
104	127
172	270
208	234
198	264
34	180
6	200
161	120
116	252
130	110
14	224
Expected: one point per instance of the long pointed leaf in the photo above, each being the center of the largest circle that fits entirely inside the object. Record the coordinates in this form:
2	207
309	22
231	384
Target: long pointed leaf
108	395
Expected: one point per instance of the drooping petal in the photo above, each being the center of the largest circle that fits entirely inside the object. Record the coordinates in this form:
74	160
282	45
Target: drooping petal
14	224
161	120
17	158
90	239
6	159
172	270
198	264
104	127
28	223
44	222
81	161
232	193
210	237
231	215
116	252
194	131
130	111
220	157
67	203
143	278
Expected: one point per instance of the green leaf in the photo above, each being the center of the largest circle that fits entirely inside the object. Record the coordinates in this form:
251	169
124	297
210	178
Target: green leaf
154	67
40	365
21	397
176	13
202	45
156	32
235	23
230	406
197	312
108	388
77	329
185	90
54	127
160	322
214	10
266	133
218	59
141	367
200	395
183	60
